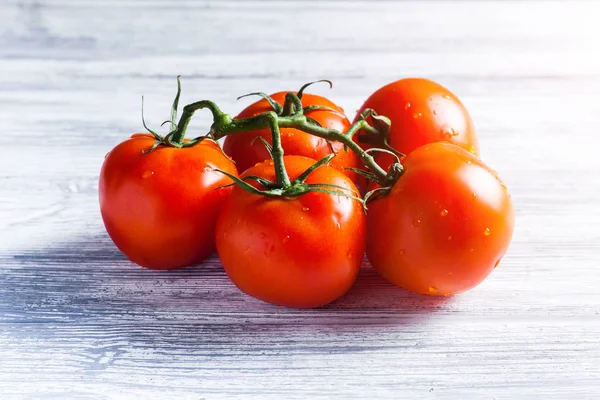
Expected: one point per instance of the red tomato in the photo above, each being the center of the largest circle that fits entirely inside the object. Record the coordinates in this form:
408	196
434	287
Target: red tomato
161	208
421	112
299	252
444	226
246	151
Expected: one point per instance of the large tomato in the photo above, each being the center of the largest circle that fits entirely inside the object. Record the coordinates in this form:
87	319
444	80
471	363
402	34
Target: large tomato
299	252
421	112
444	226
246	151
160	208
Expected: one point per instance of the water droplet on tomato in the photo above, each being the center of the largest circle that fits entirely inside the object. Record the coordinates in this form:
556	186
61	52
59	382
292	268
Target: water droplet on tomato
339	226
147	174
449	273
469	162
402	252
349	254
434	112
446	96
432	290
416	115
449	237
286	239
444	212
416	222
487	232
474	194
207	169
407	106
305	208
472	149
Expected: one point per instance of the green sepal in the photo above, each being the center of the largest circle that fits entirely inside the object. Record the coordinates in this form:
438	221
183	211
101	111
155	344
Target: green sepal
376	149
168	121
156	135
276	106
376	194
302	177
175	104
363	173
314	188
241	183
303	88
154	146
195	141
308	109
265	143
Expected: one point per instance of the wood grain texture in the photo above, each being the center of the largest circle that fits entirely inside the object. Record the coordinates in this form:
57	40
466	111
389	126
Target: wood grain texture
78	321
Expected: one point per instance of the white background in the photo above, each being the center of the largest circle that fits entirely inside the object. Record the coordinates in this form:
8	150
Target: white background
78	321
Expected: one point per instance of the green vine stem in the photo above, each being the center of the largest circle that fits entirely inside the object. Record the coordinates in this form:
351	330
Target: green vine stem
277	152
176	137
290	115
224	125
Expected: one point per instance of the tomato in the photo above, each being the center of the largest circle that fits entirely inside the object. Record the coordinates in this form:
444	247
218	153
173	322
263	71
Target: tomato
445	224
300	252
160	208
421	112
246	151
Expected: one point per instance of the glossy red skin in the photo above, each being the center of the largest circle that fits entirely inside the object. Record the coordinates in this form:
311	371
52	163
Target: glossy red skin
298	252
421	112
160	208
444	226
246	153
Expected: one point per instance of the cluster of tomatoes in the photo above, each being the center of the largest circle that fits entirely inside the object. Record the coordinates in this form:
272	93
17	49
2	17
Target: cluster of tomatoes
438	224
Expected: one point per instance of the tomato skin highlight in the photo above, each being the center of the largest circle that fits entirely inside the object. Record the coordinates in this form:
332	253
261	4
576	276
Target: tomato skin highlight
444	226
246	151
300	252
421	112
160	208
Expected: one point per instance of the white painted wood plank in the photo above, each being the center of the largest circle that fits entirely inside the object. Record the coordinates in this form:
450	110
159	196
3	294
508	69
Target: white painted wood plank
79	321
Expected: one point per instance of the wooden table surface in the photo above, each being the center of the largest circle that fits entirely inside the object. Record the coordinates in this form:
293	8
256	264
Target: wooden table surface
78	321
